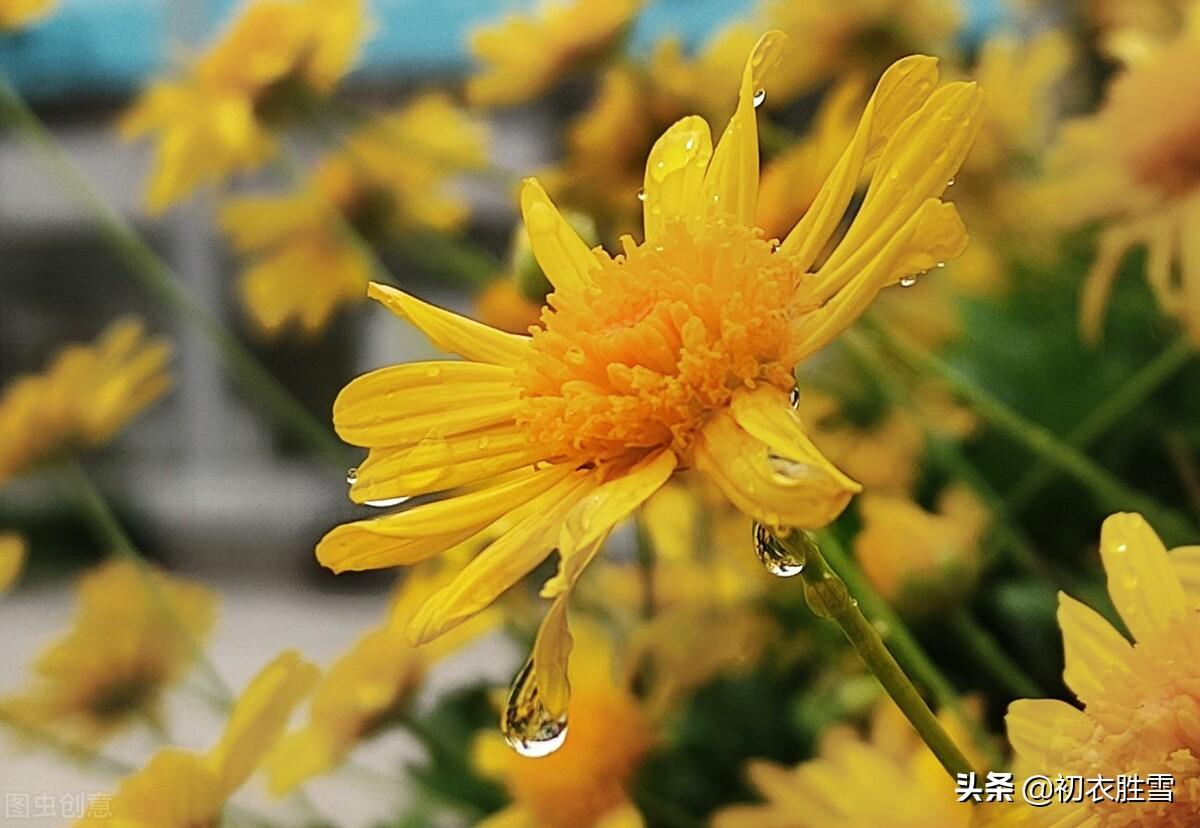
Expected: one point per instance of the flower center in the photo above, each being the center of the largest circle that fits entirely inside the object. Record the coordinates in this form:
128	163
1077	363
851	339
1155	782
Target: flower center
665	334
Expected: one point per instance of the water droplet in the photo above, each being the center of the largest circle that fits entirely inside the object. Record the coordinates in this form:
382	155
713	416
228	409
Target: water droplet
789	472
940	265
352	475
432	371
794	398
908	280
527	725
575	355
778	561
950	183
641	195
483	442
760	95
385	502
690	143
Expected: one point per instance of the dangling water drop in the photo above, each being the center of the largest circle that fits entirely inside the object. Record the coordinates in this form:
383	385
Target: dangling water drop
778	561
950	183
908	280
794	398
641	195
527	725
385	502
940	265
351	475
760	95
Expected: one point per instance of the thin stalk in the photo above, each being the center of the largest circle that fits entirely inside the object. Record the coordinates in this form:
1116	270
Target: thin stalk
157	278
109	531
987	651
1112	493
828	597
1101	419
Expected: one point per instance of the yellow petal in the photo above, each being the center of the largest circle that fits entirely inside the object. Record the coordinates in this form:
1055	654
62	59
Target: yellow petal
12	559
1113	245
504	562
1186	560
415	534
731	183
175	788
1094	651
675	175
625	815
1144	588
562	255
796	487
551	657
259	717
454	333
901	91
298	757
1041	731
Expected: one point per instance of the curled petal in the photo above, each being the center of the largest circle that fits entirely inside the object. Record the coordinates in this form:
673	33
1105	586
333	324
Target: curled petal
1144	587
562	255
675	175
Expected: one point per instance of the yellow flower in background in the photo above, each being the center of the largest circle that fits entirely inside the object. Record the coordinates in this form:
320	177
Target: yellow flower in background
368	688
501	305
309	250
678	353
16	14
122	652
921	561
1139	698
219	118
12	559
1135	166
585	784
524	56
857	36
180	789
889	780
1130	29
86	395
678	83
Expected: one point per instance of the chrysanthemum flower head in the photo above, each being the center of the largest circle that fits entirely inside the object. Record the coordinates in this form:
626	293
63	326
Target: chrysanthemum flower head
16	14
12	559
179	789
676	353
217	119
1141	698
86	395
122	651
526	55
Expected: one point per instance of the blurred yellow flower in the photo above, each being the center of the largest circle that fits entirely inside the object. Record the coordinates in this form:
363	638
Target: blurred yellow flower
1130	29
921	562
501	305
678	83
906	786
1140	698
527	55
678	353
367	688
219	118
122	651
1135	165
14	14
310	250
585	784
86	395
180	789
12	559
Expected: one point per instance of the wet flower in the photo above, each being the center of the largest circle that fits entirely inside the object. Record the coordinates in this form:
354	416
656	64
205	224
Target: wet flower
908	787
121	653
527	55
585	784
16	14
679	353
12	559
180	789
310	250
219	118
1135	166
86	395
1139	697
921	561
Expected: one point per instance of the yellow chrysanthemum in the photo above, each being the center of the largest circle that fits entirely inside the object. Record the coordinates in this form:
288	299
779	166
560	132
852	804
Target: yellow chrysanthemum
890	779
678	353
12	559
83	398
16	14
1141	700
1135	164
585	784
218	118
307	247
179	789
527	55
366	689
920	560
122	651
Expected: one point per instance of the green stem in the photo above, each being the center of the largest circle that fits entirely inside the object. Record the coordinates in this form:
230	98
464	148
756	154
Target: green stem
109	531
158	279
1110	491
1116	406
828	596
988	652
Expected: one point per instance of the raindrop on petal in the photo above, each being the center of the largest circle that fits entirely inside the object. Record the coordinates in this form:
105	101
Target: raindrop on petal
760	95
352	475
641	195
908	280
779	561
527	725
385	502
794	398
